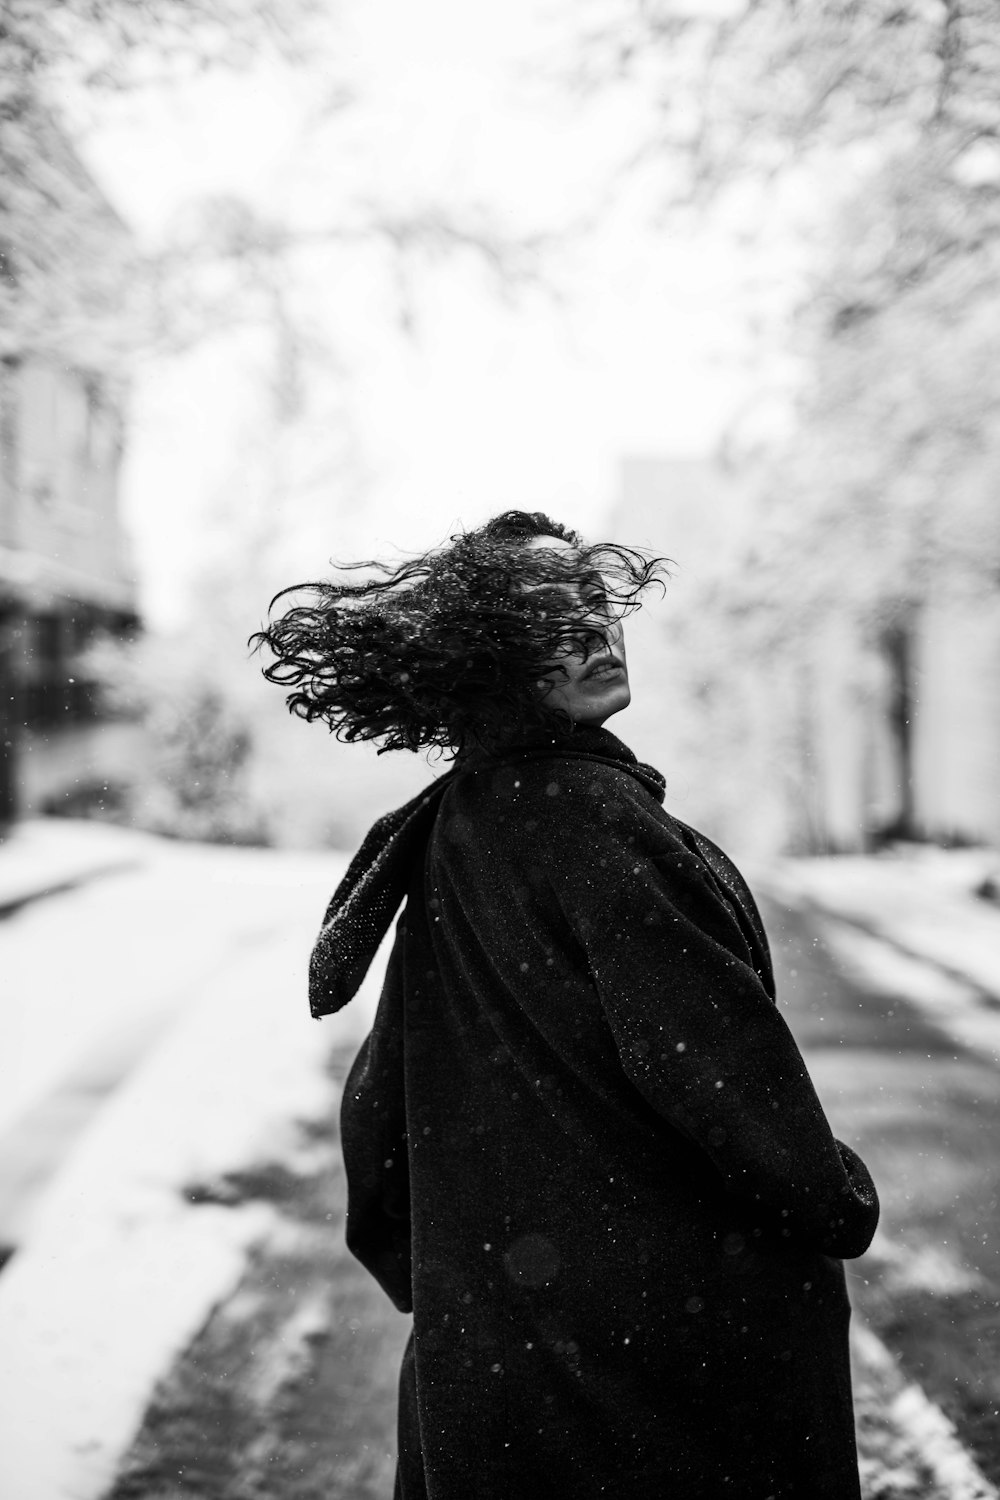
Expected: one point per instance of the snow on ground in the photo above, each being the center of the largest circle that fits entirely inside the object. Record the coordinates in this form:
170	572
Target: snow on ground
955	1005
918	898
121	1268
45	854
924	1430
90	975
908	924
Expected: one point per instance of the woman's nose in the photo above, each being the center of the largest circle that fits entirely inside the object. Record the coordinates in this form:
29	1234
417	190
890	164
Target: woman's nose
596	638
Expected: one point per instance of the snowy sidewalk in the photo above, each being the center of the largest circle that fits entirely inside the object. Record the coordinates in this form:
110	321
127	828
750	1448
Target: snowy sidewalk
42	856
909	922
125	1255
919	899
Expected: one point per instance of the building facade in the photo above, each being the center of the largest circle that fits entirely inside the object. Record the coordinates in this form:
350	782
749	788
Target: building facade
65	572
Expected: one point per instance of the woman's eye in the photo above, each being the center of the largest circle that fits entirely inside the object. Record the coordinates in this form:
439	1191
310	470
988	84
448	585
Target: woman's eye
551	597
563	598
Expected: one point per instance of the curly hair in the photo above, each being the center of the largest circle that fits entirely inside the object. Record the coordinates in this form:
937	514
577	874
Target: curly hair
447	649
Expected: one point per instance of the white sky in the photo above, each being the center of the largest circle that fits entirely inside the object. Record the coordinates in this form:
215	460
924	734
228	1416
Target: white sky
489	405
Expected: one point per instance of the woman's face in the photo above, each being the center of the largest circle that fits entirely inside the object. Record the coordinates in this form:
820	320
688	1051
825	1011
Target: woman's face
588	688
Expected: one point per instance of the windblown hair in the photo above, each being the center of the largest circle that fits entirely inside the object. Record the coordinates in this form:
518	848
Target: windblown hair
447	649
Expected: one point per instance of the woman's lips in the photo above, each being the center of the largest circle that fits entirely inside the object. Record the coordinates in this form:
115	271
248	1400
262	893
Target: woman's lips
606	667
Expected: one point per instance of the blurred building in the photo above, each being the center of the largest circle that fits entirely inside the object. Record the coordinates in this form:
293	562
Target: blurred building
956	749
694	714
65	576
830	739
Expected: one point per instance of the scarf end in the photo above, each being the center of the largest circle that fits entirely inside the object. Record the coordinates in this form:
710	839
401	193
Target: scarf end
332	987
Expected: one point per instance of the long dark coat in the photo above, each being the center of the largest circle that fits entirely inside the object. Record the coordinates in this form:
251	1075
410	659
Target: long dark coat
583	1147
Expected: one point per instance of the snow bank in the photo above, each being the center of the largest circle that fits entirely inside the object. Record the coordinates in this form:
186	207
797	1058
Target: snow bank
42	855
954	1005
918	899
924	1427
121	1269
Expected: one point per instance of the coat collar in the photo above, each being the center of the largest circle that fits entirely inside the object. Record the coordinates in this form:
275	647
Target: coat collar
584	742
370	894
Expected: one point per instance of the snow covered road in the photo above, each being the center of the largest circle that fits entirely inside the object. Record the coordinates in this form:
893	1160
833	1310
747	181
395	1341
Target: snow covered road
93	976
121	1258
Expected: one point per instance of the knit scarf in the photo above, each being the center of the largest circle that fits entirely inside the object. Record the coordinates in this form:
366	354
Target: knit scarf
371	892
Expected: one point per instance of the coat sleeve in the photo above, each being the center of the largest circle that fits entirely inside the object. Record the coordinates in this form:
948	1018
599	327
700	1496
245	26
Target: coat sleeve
697	1031
373	1137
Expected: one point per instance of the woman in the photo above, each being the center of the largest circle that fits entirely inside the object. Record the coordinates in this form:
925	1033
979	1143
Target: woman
581	1144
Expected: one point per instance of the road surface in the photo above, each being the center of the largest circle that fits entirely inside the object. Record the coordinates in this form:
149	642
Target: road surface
925	1114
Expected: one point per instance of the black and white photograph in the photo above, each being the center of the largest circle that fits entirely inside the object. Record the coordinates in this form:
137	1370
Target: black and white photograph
499	750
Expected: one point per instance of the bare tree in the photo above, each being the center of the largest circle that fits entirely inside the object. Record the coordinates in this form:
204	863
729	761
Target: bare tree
99	41
885	116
